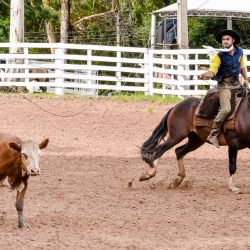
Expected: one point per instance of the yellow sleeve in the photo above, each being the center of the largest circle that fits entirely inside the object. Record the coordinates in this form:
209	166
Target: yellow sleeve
215	64
242	62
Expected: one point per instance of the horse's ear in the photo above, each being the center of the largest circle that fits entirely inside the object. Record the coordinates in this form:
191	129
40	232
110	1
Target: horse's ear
15	146
44	143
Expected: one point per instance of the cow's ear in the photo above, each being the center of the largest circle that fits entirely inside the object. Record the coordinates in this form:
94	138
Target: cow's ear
44	144
15	146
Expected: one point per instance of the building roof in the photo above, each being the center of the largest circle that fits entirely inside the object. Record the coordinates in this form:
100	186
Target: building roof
216	8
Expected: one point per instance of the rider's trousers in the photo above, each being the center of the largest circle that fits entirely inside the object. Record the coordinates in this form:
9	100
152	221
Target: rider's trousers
225	104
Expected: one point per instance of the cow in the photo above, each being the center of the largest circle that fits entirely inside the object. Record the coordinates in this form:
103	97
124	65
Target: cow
18	161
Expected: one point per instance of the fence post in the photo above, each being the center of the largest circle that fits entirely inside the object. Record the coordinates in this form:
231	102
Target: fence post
89	62
29	86
90	73
183	67
118	72
59	61
148	75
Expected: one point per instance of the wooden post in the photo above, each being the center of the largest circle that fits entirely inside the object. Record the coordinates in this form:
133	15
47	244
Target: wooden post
182	24
153	30
182	35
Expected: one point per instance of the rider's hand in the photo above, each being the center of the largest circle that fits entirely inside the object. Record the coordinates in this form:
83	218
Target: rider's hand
246	83
202	76
208	75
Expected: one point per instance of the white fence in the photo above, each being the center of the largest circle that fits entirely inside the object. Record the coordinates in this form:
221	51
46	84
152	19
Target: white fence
92	69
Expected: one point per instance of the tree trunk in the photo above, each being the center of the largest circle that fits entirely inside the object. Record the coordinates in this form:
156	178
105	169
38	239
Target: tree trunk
116	7
64	21
130	25
16	33
49	28
16	24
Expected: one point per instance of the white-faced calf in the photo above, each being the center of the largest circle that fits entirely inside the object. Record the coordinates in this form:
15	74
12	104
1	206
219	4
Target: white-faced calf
19	160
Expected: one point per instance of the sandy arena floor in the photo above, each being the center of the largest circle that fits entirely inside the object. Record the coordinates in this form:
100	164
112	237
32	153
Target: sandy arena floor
82	199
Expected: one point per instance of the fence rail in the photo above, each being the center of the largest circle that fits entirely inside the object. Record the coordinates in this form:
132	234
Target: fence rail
92	69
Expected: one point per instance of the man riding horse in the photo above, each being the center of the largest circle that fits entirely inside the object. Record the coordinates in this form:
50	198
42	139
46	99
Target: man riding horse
225	69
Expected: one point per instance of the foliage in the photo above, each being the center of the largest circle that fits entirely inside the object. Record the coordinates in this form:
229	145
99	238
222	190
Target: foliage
102	29
35	16
4	29
243	28
202	31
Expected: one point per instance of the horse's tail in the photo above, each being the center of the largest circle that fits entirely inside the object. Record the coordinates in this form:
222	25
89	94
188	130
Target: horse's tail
158	134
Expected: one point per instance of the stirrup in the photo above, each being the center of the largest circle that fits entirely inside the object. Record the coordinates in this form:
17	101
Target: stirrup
214	141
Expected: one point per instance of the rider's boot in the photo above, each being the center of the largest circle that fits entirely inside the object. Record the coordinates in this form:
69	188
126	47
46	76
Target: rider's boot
213	136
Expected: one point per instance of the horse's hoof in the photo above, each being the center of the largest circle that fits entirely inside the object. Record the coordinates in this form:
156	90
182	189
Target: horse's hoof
145	177
23	225
235	190
176	183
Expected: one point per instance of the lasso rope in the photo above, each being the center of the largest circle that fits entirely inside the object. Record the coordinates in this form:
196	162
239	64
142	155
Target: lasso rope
51	113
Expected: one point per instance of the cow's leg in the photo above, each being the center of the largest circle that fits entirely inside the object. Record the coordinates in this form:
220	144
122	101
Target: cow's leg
232	153
4	183
19	207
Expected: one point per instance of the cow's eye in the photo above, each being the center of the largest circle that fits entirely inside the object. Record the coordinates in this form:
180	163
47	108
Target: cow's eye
25	156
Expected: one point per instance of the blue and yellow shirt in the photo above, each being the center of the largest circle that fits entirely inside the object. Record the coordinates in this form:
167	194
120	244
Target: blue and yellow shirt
225	65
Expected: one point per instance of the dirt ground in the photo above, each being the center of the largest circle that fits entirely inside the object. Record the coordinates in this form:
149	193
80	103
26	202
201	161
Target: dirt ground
82	200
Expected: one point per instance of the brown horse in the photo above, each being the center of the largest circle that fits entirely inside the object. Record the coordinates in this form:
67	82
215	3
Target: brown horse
178	123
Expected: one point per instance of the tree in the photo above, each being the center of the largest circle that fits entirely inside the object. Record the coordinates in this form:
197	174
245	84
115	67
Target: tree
16	32
65	11
16	24
49	27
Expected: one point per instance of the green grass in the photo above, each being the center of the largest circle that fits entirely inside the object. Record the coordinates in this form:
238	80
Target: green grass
159	99
168	99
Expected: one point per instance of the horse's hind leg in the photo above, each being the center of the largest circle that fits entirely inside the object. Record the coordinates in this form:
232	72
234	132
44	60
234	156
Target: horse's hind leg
159	151
193	143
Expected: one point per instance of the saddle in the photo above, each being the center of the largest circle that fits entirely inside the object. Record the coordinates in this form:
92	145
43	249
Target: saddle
209	108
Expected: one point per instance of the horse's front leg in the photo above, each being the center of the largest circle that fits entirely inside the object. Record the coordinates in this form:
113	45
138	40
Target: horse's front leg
19	207
232	153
